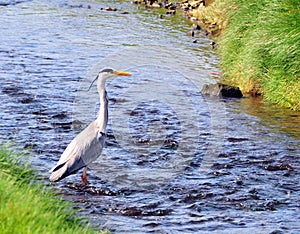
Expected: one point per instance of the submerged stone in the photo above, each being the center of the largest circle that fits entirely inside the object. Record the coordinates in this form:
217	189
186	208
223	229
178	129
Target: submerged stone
221	90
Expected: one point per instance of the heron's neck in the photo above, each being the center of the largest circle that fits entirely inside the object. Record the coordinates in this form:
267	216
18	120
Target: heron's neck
102	117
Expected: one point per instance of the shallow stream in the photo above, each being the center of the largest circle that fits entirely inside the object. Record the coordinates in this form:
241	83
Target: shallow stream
175	161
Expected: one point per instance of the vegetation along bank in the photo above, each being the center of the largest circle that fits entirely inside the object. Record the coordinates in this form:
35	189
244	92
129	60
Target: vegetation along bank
258	43
259	46
27	207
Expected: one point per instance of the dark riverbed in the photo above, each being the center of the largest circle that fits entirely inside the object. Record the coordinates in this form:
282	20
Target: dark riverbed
175	162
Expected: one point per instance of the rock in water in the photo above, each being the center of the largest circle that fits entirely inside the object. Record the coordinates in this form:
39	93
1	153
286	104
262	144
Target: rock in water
221	90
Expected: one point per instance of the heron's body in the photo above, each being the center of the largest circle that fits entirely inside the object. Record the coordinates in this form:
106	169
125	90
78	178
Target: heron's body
87	146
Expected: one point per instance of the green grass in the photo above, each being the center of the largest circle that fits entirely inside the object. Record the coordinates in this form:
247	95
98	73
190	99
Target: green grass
26	206
260	47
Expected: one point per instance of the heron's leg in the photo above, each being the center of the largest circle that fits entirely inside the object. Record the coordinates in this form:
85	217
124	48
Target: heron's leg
83	177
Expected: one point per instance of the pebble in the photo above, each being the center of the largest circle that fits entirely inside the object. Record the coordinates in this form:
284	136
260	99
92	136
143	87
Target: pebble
191	33
110	9
196	27
171	12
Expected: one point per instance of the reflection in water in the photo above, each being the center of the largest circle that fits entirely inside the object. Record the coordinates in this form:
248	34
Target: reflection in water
272	117
174	161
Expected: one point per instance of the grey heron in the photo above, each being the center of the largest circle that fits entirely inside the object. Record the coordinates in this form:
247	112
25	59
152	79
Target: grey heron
87	146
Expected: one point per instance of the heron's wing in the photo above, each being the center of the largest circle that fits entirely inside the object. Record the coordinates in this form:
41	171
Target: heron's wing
65	169
83	149
94	149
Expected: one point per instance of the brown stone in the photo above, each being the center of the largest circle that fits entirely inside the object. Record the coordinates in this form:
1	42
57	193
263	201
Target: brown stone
221	90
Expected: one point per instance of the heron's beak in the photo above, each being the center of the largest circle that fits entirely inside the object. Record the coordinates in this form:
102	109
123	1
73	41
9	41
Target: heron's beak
92	83
122	73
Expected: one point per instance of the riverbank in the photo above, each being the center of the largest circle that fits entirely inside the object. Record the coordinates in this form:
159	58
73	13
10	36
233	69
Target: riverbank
27	207
258	43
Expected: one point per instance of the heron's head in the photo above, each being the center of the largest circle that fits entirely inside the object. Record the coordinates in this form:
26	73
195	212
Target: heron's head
108	73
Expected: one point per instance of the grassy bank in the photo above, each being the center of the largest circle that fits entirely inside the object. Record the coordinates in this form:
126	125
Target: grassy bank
259	46
26	207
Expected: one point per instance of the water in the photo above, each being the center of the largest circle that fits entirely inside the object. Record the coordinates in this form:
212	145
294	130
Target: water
175	162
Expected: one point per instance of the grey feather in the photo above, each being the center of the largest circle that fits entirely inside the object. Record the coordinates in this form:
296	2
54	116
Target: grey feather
85	148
